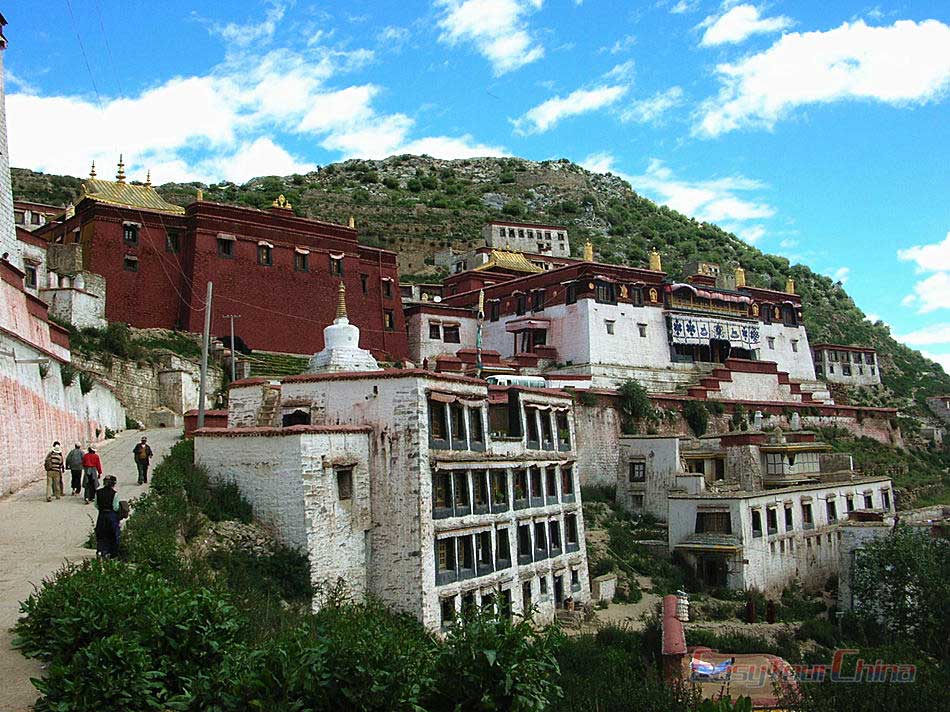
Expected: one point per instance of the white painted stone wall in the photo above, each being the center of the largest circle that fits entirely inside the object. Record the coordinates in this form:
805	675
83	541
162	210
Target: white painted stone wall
290	481
422	347
661	457
811	555
598	432
755	387
797	363
8	242
854	536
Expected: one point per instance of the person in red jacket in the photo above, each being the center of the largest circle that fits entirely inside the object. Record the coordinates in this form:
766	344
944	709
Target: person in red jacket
92	469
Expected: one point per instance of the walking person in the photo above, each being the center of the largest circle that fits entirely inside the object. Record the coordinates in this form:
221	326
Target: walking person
143	455
107	523
91	469
74	465
53	465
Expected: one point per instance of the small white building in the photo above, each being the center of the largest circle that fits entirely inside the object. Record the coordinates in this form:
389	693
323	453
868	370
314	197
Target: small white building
550	240
748	510
847	365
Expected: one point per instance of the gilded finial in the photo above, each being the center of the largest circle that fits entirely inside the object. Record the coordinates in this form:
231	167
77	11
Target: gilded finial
341	302
281	202
148	178
588	251
352	222
200	195
790	285
740	277
92	171
656	264
120	174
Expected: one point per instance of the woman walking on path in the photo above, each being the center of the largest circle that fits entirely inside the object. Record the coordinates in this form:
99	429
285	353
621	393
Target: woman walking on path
54	473
92	469
107	523
74	465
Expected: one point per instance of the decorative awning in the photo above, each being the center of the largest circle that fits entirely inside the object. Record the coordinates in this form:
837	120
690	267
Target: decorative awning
517	325
337	255
688	329
712	295
452	398
226	236
302	250
264	243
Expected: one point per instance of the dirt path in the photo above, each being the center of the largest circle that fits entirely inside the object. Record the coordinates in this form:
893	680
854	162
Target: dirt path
36	536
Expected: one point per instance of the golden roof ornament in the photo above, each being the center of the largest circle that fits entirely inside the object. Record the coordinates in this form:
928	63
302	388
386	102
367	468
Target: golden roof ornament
92	171
740	277
148	178
352	222
341	302
282	202
790	286
656	263
199	195
588	251
120	174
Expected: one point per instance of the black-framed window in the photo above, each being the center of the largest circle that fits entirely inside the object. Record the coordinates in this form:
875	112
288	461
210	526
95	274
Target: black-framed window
571	297
868	501
445	561
807	521
636	297
520	304
547	434
534	438
554	536
172	241
480	491
389	320
344	482
605	293
537	300
442	494
540	540
502	548
494	311
265	255
438	423
450	333
336	266
714	522
788	518
387	288
521	488
476	427
30	279
524	543
756	523
225	247
567	483
637	471
536	484
460	494
550	483
457	417
483	553
130	264
771	520
364	283
563	430
435	330
130	234
301	262
499	490
447	610
570	532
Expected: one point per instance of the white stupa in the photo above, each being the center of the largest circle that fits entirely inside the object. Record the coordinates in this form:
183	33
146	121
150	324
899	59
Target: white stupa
341	345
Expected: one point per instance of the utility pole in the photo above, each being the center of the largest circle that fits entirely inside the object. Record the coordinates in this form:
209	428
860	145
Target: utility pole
204	360
232	317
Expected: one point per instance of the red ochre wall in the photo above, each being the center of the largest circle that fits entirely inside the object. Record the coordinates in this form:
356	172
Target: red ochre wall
280	309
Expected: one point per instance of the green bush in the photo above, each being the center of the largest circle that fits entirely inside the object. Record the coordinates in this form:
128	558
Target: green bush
488	662
67	374
86	382
111	673
635	405
696	416
821	630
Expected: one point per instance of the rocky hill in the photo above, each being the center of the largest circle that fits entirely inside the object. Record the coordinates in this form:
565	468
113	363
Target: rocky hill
417	205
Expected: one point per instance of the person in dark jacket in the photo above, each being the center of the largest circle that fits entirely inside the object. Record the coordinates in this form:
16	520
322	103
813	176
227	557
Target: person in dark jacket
107	523
143	455
54	472
92	469
74	465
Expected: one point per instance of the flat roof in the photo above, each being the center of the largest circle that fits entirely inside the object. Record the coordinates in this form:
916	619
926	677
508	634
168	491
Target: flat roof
746	494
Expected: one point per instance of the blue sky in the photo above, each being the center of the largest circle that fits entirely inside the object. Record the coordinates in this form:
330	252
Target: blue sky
815	130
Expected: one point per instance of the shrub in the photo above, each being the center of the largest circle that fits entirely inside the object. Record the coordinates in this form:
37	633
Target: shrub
44	369
86	382
696	416
391	183
635	405
67	374
115	672
587	399
821	630
489	662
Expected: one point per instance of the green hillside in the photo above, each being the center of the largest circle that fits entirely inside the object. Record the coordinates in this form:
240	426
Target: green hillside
417	205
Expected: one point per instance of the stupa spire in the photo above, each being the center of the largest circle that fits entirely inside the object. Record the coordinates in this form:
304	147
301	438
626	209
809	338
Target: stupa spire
341	302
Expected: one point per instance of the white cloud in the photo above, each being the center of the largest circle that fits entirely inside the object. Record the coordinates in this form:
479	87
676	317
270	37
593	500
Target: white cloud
928	336
903	64
227	123
714	200
930	258
930	294
393	36
942	359
652	109
841	274
739	23
621	45
620	72
497	28
546	115
788	243
251	33
684	6
933	292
